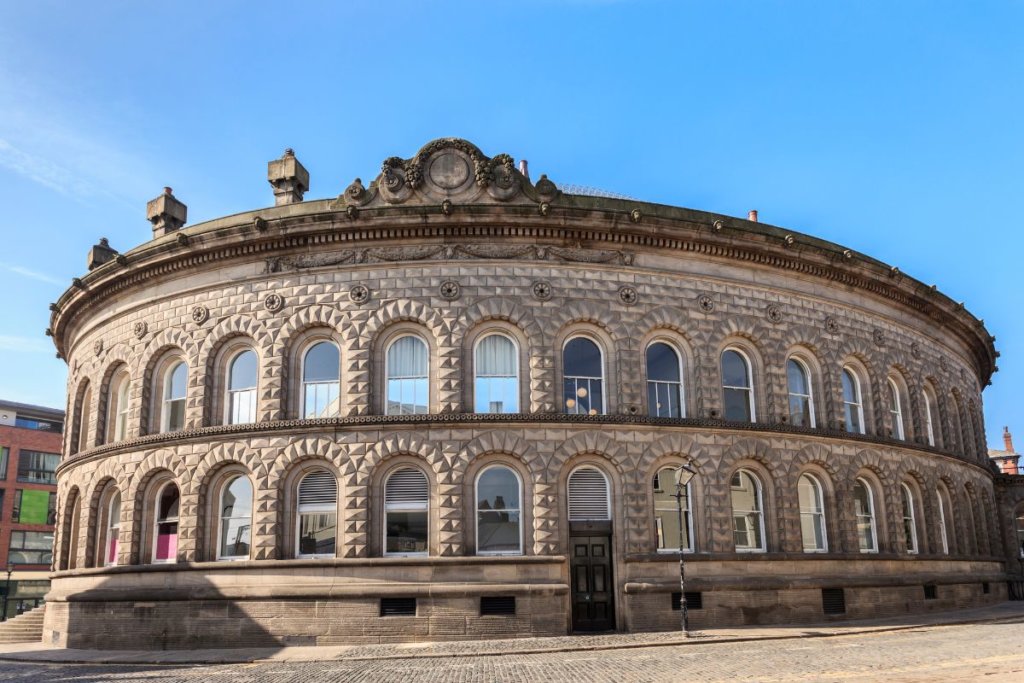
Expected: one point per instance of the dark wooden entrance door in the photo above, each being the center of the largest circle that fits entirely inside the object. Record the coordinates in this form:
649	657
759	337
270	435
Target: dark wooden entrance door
593	598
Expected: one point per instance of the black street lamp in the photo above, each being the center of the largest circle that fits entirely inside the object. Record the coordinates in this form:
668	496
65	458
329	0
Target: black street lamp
683	476
7	589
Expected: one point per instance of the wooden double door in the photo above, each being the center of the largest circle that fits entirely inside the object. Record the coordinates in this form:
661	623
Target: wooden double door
593	592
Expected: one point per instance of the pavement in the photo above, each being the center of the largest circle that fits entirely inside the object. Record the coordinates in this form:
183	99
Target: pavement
1007	612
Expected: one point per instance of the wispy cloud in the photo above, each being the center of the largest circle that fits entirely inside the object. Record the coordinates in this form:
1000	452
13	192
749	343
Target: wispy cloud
31	274
42	171
24	344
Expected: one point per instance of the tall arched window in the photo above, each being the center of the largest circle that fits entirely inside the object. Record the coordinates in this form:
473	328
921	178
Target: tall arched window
945	517
853	407
801	401
747	512
165	523
172	415
235	519
664	381
896	410
583	377
496	385
316	518
589	495
929	418
737	387
909	519
118	408
666	512
498	508
113	535
864	509
406	512
321	373
75	527
408	377
957	436
84	418
812	514
241	396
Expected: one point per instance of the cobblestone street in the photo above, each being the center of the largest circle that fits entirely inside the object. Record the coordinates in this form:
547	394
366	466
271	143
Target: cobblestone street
990	652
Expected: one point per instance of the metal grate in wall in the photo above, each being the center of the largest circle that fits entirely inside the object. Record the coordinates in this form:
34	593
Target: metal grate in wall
497	605
588	495
398	607
931	592
318	488
694	600
986	588
407	485
833	601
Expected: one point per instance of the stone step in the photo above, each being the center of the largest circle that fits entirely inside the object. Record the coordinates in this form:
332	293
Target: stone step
24	628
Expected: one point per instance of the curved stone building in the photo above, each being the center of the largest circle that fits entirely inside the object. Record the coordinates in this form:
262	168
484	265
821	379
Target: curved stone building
447	404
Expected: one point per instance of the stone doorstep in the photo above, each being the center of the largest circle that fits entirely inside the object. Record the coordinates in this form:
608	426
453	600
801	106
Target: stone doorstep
38	652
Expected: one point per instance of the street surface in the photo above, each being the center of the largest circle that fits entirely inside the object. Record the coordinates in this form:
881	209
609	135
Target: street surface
992	652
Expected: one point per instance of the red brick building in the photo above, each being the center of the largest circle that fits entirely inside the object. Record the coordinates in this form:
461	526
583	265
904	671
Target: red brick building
30	444
1008	459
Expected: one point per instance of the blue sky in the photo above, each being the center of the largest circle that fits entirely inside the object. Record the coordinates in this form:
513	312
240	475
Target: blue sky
894	130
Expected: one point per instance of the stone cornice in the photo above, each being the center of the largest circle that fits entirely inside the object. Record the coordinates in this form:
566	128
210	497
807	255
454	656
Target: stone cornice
220	432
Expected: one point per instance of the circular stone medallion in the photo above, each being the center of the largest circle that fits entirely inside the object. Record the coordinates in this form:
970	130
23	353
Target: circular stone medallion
448	171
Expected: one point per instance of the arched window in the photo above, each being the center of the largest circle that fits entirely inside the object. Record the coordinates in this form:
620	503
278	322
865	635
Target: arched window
589	495
165	524
801	402
321	372
113	536
118	407
747	512
909	519
75	526
172	416
496	385
235	519
408	377
583	377
316	519
664	381
929	418
241	397
812	514
666	512
406	511
498	508
864	509
945	517
737	387
852	404
957	437
896	410
83	419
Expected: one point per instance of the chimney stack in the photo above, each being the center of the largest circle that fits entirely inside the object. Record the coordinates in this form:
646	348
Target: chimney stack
166	214
1008	439
752	215
524	169
288	177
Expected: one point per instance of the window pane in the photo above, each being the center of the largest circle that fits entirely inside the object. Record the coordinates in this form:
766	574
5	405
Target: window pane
322	363
177	379
175	415
236	518
498	532
406	532
797	377
496	395
865	516
498	489
583	396
317	533
850	394
734	370
581	358
746	509
662	363
37	468
407	385
407	357
737	405
666	511
243	371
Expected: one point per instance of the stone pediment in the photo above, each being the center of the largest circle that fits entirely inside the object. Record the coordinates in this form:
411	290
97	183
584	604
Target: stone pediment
448	170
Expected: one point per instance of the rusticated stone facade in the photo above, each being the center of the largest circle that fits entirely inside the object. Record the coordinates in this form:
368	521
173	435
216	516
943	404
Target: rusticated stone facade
452	245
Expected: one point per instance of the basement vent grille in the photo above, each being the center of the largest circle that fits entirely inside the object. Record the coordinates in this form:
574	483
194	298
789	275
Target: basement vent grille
497	605
398	607
694	600
833	600
986	588
931	592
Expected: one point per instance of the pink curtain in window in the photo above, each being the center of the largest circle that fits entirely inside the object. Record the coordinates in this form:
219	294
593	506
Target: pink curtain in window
112	551
166	546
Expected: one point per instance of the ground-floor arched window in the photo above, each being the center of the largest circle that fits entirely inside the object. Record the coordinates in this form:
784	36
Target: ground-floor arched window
666	512
165	525
747	512
909	519
812	514
113	532
235	519
317	515
406	512
864	509
498	514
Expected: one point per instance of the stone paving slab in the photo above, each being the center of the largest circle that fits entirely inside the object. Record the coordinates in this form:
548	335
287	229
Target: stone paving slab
38	652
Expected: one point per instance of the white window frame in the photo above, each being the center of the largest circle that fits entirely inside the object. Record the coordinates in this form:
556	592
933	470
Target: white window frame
818	515
896	410
859	403
231	394
929	427
387	371
121	394
873	515
220	518
943	531
404	506
313	509
519	510
165	401
680	385
602	378
84	418
113	528
156	523
304	408
912	546
687	516
809	396
750	380
759	489
516	376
